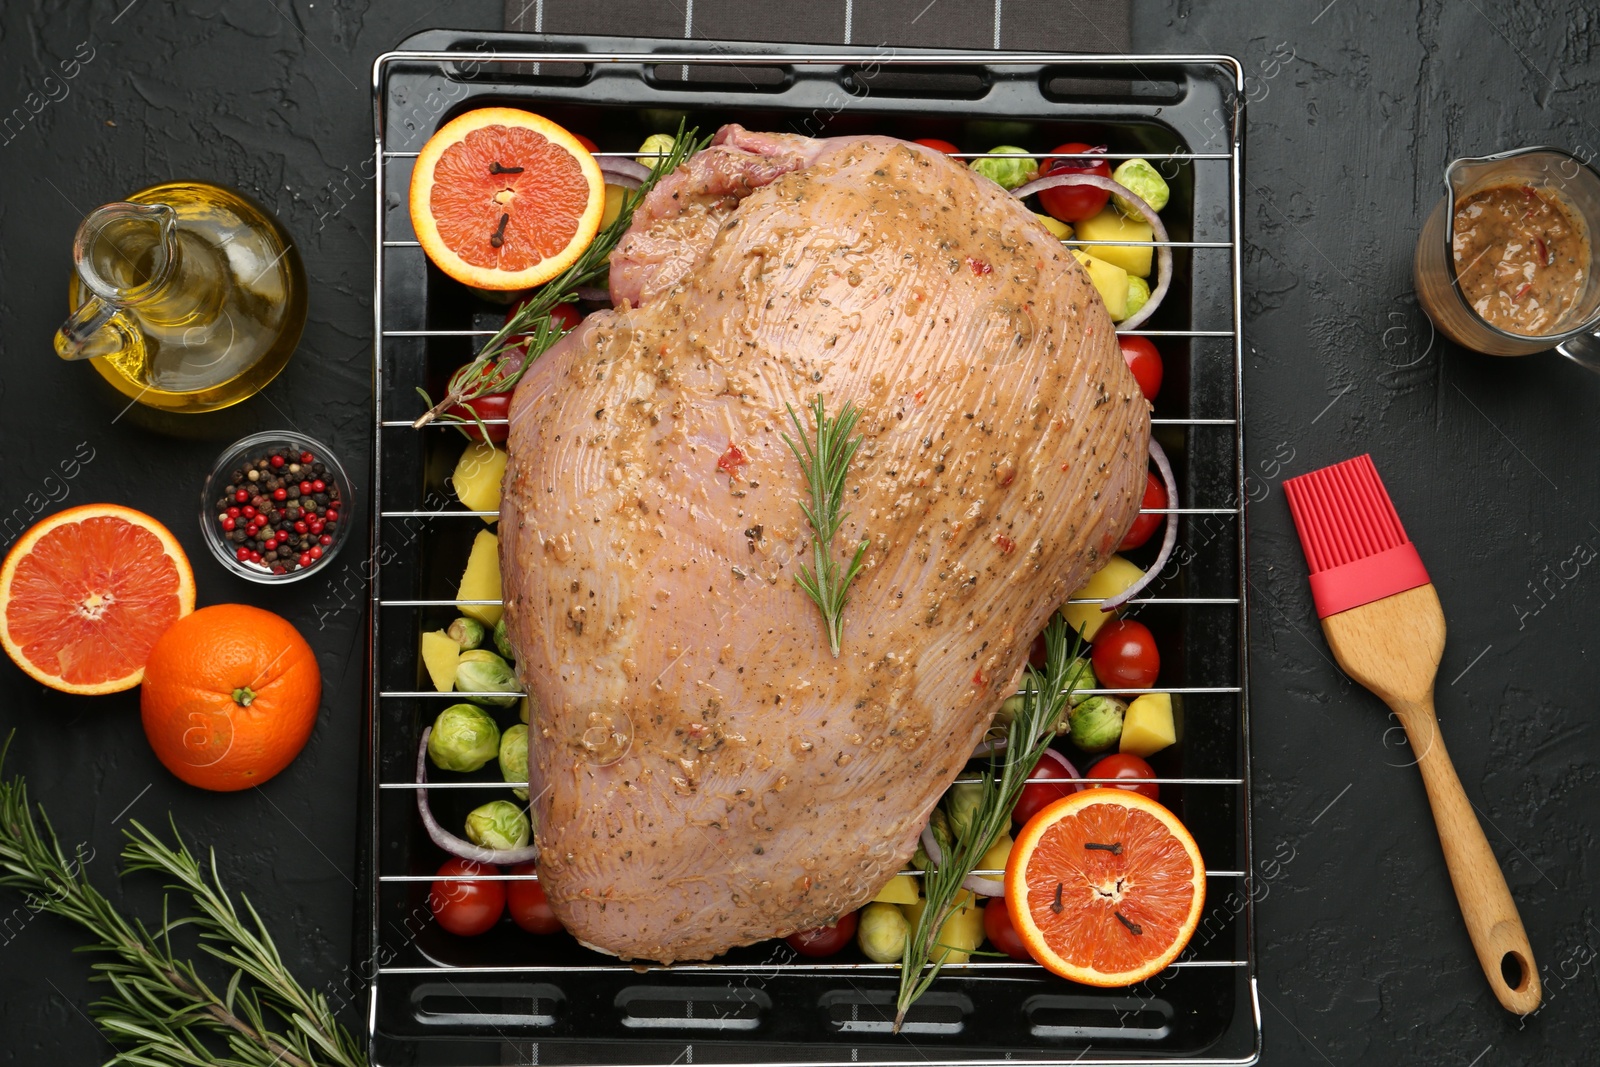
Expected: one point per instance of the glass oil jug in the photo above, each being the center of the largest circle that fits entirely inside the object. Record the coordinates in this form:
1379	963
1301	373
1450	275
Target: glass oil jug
187	297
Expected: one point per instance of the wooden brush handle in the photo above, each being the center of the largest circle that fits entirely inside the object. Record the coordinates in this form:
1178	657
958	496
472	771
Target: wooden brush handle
1486	904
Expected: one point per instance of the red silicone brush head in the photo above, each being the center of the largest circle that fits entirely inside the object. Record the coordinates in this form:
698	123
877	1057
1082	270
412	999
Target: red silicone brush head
1354	544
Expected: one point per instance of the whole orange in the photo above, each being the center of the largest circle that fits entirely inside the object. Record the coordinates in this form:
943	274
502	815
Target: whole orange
230	696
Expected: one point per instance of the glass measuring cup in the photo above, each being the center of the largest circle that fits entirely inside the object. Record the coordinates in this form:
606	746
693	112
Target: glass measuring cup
1576	187
186	297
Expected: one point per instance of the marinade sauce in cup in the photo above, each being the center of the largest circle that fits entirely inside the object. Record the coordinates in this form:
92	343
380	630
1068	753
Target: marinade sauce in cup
1505	262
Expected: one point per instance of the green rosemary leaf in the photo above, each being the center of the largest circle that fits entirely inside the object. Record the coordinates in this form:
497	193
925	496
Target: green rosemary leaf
824	457
1027	736
155	1007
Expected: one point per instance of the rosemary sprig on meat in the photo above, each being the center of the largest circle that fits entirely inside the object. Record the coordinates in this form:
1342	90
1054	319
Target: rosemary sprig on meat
527	335
824	461
1044	696
157	1010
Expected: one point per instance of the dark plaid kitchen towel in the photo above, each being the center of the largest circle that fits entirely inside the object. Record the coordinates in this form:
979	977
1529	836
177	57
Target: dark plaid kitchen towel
1015	25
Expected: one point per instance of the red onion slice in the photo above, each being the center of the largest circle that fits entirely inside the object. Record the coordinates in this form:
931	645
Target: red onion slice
452	844
993	744
1163	253
1168	541
984	887
620	170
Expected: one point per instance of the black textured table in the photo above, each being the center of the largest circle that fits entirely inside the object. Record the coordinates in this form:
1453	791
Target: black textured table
1354	110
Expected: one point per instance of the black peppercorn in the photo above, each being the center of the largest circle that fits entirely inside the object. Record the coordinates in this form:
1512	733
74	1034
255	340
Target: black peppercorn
270	485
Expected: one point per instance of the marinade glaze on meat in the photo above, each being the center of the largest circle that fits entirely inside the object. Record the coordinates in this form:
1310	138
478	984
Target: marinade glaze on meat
705	773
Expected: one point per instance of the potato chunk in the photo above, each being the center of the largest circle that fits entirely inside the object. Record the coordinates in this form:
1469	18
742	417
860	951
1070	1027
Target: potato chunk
477	477
901	889
481	580
1110	281
1148	726
1113	225
1108	581
440	654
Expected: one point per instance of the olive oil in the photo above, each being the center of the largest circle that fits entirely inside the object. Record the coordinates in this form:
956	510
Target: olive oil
205	305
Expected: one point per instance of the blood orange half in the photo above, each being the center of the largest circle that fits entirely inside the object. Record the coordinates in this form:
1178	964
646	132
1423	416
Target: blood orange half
1105	887
505	199
85	593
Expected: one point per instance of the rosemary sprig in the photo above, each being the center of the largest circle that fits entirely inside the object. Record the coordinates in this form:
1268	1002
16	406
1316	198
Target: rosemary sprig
529	333
1044	696
158	1011
824	460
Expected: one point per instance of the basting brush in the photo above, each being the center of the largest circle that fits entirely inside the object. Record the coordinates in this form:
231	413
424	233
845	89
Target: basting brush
1384	623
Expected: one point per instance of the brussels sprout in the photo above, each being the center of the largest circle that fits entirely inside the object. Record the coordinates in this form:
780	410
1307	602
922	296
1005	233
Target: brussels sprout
502	643
882	932
961	802
481	671
1138	295
464	738
1007	165
656	142
1096	724
1080	675
1143	181
498	824
468	633
1009	709
514	757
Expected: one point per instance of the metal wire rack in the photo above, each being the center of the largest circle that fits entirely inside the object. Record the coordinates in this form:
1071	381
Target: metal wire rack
434	999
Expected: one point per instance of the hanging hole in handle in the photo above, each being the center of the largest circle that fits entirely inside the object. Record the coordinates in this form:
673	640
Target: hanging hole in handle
747	77
1514	971
935	82
1063	85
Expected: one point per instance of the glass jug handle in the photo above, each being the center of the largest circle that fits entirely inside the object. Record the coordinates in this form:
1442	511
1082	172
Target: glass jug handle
93	330
110	240
1584	350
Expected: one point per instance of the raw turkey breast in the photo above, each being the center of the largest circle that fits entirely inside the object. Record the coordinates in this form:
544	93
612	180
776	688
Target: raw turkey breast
706	773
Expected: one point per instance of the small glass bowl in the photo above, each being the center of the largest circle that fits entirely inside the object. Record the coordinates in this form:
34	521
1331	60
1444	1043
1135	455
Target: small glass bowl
248	449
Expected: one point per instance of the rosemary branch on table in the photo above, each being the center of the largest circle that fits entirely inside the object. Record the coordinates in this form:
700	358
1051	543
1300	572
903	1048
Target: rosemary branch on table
824	458
531	329
1044	696
158	1011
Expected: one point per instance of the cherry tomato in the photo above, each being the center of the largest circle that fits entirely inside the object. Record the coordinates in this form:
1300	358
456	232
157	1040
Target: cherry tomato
1038	655
581	139
1125	768
1125	655
1074	203
492	406
1144	359
1155	496
1146	525
566	315
529	907
937	145
825	940
1036	796
466	908
1001	934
